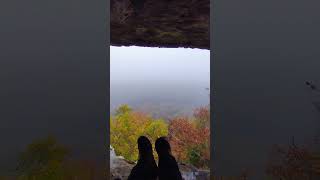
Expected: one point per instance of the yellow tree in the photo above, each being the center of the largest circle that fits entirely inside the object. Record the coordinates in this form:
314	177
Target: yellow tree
126	127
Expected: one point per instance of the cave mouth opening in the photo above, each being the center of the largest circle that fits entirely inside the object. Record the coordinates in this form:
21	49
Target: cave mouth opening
160	92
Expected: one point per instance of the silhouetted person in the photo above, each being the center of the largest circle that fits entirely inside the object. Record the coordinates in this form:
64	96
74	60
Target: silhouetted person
146	168
168	166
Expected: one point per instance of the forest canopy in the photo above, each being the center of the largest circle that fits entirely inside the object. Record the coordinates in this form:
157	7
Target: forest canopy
127	125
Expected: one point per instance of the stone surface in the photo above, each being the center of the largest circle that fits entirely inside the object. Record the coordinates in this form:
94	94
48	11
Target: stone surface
120	168
160	23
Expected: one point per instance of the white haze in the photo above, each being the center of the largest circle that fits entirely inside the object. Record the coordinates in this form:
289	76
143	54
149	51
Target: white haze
165	81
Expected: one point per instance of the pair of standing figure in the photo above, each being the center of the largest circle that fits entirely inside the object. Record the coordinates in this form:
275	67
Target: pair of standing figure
146	167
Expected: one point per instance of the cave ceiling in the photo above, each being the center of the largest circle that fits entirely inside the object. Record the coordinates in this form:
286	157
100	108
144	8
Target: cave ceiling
160	23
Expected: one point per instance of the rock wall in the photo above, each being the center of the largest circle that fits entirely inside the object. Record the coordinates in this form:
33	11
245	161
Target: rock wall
160	23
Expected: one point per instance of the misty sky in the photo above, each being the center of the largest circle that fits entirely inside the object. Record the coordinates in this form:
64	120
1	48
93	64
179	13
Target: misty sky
159	65
164	81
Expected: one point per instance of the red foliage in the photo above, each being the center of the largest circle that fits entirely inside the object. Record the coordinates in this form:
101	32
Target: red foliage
184	134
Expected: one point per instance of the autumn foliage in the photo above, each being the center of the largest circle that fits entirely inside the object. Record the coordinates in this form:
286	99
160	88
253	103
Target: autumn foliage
202	116
127	125
189	136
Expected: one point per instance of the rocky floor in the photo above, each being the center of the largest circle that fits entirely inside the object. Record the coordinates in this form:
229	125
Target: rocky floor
120	169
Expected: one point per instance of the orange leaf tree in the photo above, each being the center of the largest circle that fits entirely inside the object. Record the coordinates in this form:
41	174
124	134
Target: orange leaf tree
190	138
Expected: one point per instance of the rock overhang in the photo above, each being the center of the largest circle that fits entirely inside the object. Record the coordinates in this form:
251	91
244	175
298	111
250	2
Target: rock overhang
160	23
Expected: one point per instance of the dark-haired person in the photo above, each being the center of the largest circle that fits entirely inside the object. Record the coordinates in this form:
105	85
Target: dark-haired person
146	168
168	166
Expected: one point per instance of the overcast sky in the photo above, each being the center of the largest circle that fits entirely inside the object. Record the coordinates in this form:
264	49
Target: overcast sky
159	77
159	65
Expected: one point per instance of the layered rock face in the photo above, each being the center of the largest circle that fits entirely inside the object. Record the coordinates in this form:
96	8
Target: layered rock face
160	23
120	168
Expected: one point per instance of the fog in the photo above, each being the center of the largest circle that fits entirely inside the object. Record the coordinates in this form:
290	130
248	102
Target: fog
162	81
